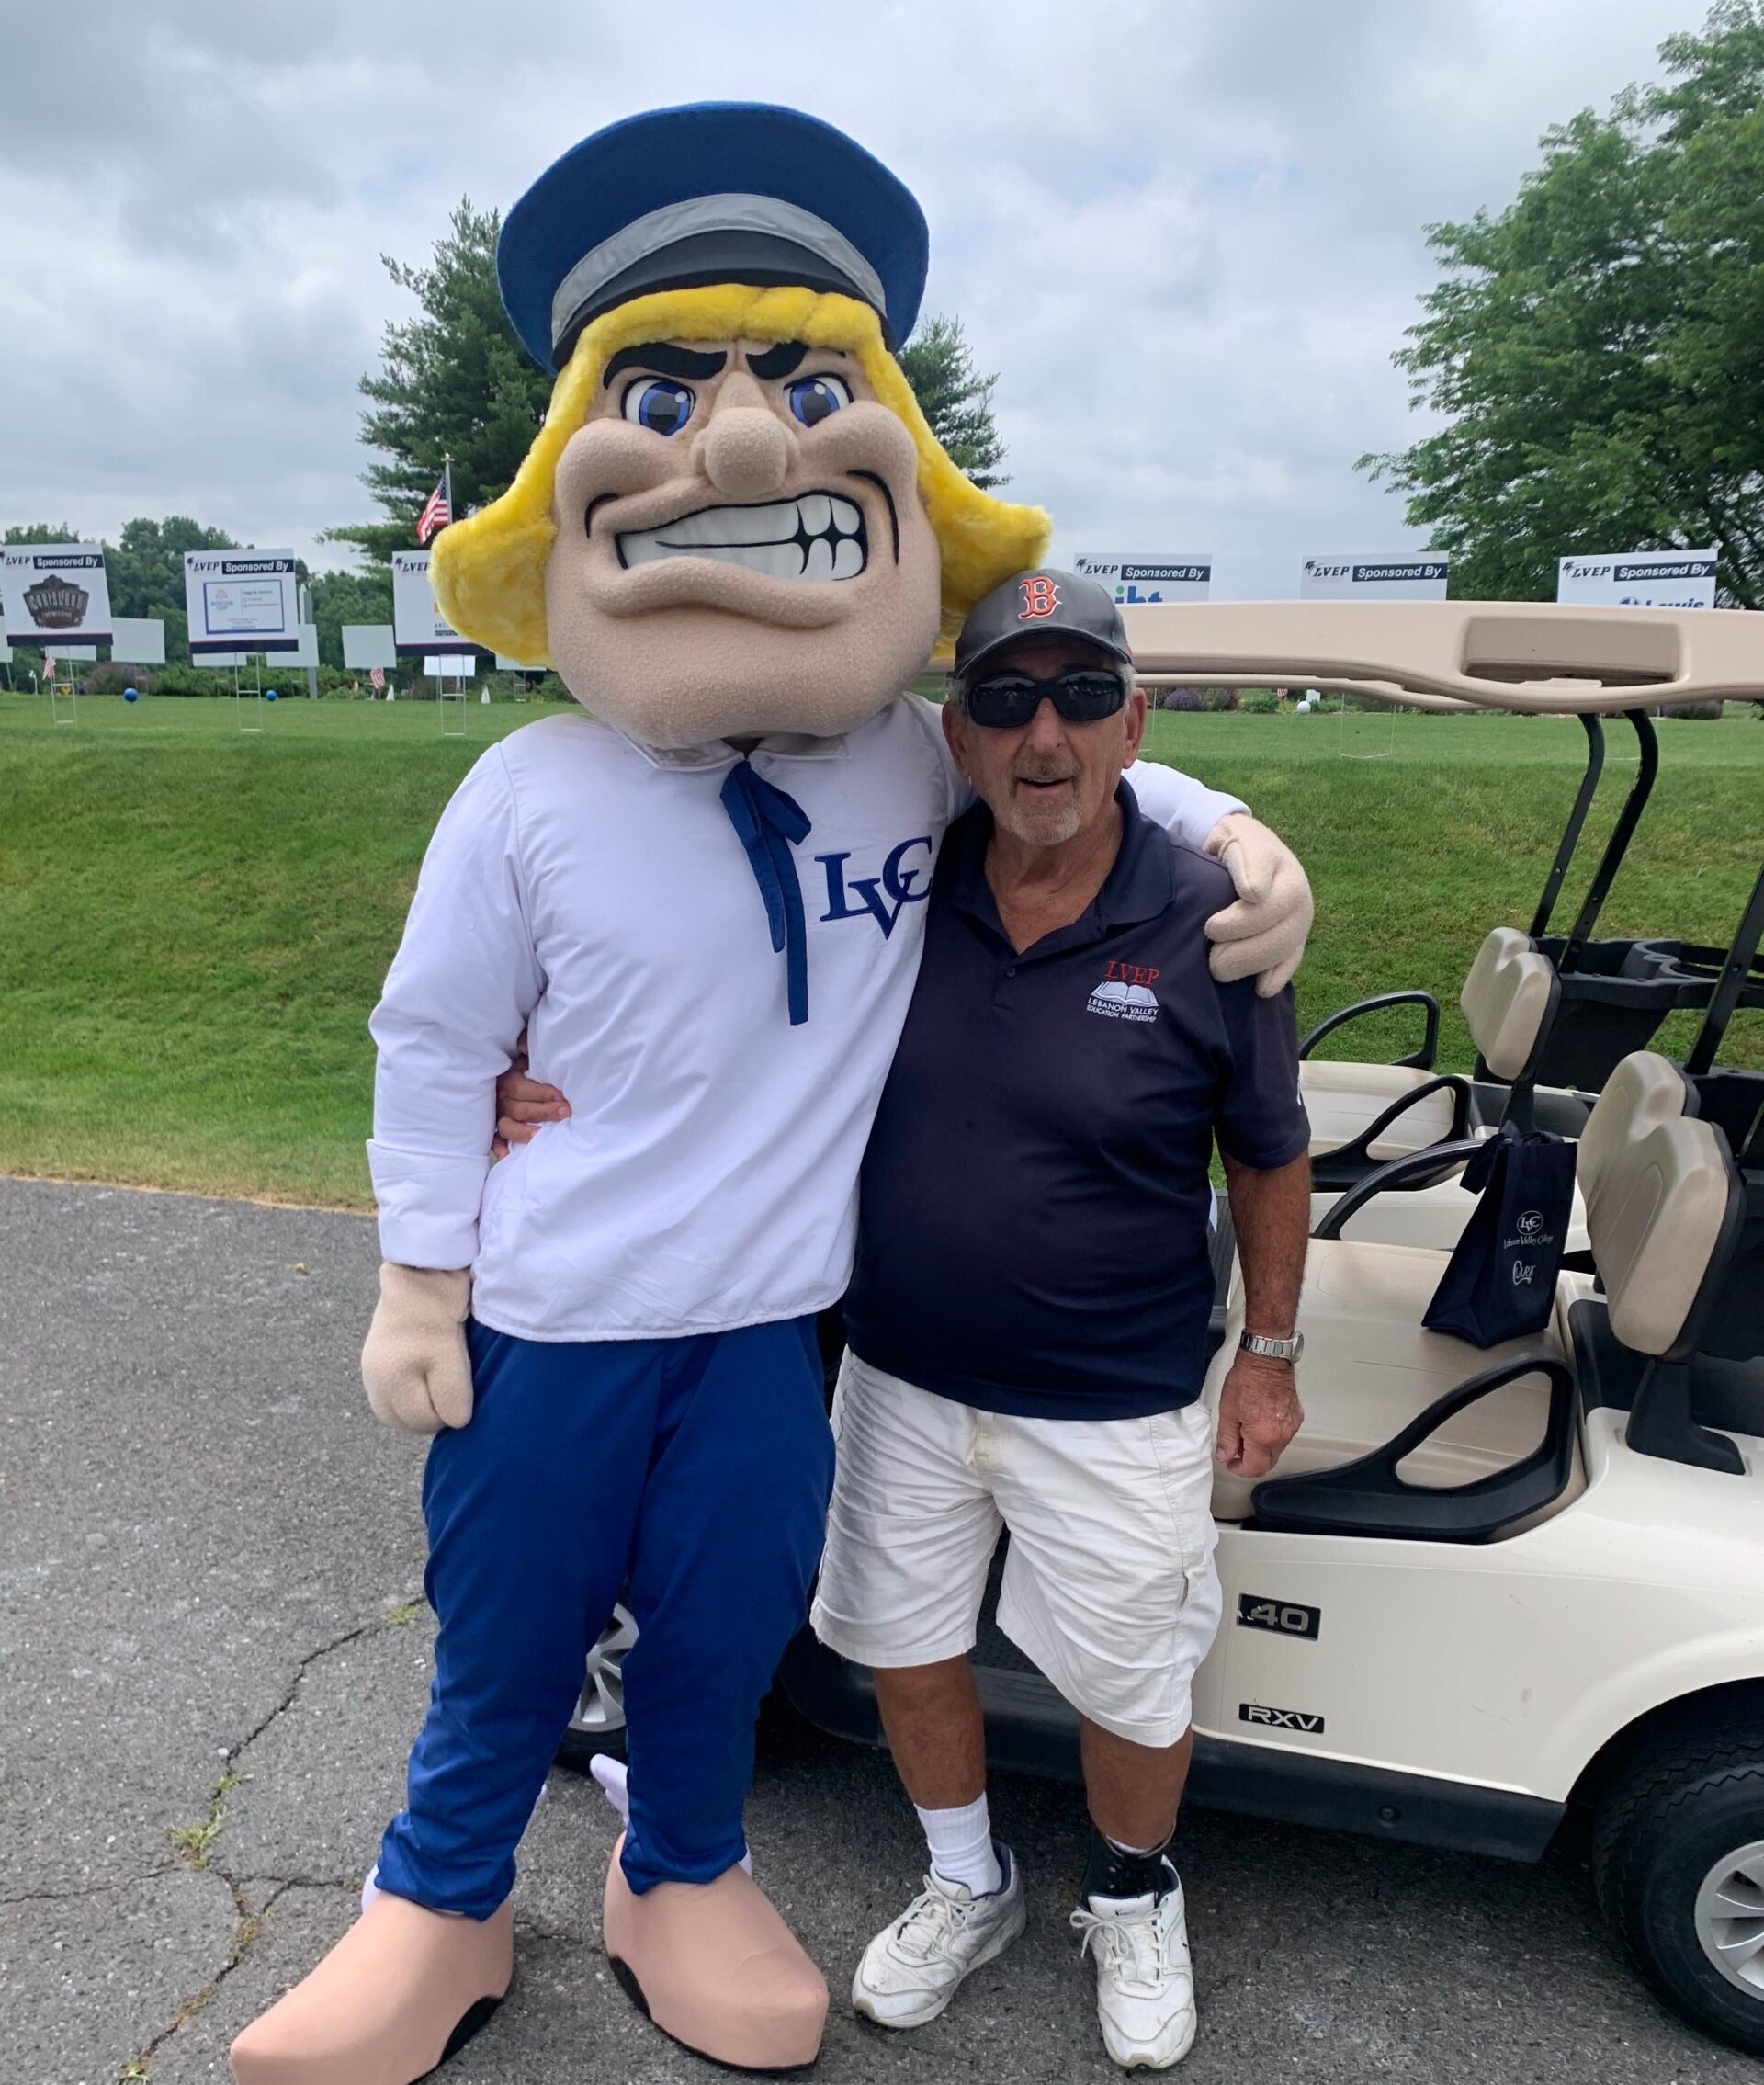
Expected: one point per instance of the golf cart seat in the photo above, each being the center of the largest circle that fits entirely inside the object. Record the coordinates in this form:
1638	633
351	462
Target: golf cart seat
1369	1113
1402	1438
1509	1000
1369	1369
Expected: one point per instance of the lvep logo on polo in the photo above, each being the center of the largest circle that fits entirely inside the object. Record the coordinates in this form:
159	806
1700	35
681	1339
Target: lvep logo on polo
1125	993
880	898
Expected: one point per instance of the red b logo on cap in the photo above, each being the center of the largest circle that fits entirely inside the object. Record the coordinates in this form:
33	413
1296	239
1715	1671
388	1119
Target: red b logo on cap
1040	597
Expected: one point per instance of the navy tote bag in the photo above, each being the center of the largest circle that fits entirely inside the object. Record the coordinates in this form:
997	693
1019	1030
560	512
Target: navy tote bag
1500	1283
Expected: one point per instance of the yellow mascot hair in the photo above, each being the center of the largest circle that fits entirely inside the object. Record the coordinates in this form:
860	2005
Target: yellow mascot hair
489	570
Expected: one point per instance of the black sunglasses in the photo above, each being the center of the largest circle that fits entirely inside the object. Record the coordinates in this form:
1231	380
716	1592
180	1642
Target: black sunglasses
1007	701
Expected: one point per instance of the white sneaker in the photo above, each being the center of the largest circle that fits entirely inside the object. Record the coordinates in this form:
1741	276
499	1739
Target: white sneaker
1145	1984
912	1968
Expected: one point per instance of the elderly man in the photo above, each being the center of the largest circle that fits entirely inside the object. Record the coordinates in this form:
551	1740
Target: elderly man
1028	1318
1027	1321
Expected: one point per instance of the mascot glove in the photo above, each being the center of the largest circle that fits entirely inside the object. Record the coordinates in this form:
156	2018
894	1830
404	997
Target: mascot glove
415	1364
1263	935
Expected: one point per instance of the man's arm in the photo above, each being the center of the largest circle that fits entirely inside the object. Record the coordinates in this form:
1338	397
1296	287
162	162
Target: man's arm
1258	1407
1264	1140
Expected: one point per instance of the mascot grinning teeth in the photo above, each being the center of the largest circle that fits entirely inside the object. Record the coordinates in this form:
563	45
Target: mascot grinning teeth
703	896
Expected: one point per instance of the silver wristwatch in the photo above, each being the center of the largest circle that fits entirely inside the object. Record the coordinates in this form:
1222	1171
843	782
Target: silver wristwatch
1275	1349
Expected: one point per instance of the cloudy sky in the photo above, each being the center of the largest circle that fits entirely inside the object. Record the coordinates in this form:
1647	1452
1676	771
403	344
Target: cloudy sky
1187	236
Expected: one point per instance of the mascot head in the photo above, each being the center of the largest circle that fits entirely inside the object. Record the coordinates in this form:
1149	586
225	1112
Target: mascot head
735	518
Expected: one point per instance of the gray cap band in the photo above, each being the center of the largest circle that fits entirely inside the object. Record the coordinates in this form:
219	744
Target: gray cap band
675	221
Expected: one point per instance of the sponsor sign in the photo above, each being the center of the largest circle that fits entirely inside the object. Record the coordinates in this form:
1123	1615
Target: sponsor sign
239	600
367	645
1639	578
451	665
56	594
1398	575
1134	580
418	626
137	640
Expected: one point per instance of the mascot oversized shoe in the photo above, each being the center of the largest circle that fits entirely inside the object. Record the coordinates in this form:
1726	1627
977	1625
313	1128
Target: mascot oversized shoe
400	1993
717	1969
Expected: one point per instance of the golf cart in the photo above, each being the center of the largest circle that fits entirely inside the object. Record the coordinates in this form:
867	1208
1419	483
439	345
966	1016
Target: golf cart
1485	1586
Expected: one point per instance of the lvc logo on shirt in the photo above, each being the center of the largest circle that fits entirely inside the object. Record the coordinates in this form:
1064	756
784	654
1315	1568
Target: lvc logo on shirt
1125	993
905	880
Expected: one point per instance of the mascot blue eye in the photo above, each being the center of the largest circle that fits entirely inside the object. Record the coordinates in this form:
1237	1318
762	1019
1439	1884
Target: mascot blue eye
815	399
660	404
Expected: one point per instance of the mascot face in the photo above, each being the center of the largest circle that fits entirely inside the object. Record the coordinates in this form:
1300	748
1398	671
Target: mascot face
735	520
740	544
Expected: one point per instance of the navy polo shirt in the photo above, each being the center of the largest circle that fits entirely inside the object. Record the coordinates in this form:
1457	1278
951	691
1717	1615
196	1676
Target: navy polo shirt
1032	1227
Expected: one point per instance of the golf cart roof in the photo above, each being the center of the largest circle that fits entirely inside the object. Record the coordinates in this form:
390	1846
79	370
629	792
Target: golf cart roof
1524	656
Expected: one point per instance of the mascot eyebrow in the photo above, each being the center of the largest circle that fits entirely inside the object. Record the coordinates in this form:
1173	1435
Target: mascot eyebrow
777	361
670	361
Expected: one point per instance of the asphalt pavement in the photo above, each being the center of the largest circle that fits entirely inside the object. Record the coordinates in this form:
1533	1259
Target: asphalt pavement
213	1657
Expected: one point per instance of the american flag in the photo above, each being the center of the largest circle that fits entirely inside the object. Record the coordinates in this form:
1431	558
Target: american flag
377	678
438	509
49	664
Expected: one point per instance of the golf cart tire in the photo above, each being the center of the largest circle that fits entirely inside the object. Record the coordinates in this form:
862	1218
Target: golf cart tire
1671	1813
576	1749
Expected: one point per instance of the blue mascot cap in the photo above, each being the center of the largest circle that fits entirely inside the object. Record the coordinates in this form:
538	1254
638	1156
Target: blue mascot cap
718	191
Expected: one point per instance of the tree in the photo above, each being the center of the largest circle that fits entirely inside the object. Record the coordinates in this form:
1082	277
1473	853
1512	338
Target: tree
146	572
41	532
1596	345
456	381
954	398
453	381
340	597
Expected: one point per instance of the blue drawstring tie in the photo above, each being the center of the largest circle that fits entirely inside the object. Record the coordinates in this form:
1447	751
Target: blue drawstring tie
768	823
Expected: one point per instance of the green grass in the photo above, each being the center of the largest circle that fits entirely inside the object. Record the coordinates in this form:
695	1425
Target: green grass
196	921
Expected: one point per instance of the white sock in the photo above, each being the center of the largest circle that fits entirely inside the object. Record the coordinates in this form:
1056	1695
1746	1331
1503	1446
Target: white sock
961	1846
612	1775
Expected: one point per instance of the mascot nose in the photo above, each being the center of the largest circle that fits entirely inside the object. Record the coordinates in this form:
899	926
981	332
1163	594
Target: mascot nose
745	451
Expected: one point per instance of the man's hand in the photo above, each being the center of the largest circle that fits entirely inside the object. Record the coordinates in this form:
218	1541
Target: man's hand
522	1104
414	1366
1258	1414
1263	935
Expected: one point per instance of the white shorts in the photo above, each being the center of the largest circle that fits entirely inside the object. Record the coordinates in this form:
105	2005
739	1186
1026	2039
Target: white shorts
1109	1583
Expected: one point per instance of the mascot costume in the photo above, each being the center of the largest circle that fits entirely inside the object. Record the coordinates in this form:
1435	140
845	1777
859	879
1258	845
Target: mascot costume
737	540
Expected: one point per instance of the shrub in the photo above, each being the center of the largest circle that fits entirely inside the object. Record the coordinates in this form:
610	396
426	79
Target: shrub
1694	712
113	676
1259	702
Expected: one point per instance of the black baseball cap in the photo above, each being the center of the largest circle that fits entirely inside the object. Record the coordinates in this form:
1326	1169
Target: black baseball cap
1037	601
